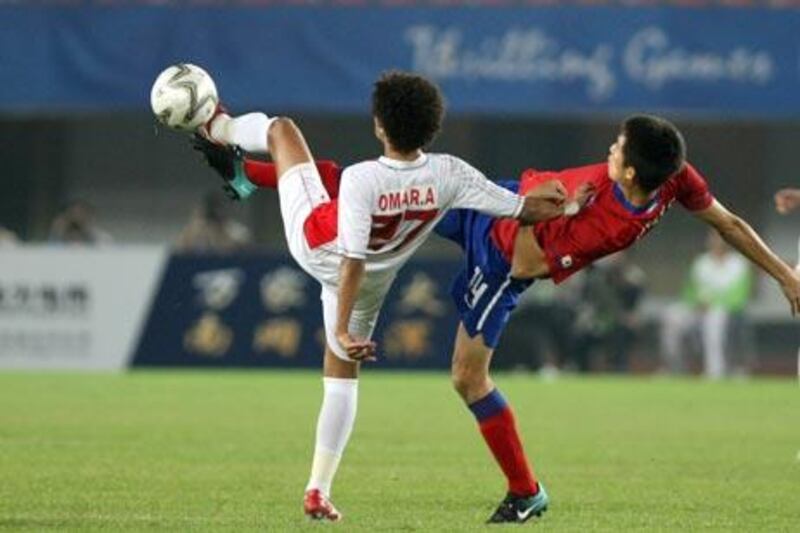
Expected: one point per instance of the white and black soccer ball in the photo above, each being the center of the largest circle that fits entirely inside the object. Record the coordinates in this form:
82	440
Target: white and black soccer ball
183	96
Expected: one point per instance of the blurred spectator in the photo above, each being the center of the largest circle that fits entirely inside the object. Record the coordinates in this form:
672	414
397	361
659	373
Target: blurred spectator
7	237
607	315
76	225
713	301
787	200
211	229
539	334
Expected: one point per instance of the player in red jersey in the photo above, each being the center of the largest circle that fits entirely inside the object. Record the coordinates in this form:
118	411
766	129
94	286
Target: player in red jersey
614	204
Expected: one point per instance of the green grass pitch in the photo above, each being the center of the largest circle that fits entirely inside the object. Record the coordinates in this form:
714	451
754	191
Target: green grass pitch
230	451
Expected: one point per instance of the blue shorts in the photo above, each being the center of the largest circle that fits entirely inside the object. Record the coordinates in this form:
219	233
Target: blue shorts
484	291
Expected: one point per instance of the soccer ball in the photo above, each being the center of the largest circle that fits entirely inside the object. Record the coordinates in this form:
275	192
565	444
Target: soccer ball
183	97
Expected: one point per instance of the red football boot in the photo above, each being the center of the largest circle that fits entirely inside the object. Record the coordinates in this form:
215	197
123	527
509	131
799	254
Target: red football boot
318	507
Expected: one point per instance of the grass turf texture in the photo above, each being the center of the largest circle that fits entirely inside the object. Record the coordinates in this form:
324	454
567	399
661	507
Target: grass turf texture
231	451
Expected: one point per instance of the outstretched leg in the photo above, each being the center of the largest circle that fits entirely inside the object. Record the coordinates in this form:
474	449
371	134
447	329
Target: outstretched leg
257	133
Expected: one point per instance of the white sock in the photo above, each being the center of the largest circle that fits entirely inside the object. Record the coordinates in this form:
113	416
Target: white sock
249	131
336	419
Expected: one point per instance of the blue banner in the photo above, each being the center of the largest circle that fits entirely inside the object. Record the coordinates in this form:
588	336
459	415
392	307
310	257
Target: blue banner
262	311
533	60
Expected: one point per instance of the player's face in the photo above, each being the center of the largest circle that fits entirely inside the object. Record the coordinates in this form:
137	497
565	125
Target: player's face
616	160
615	163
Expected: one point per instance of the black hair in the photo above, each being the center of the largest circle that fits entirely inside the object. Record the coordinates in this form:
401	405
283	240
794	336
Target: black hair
409	108
654	148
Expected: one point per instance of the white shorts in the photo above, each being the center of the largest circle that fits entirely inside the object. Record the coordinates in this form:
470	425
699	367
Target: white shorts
362	320
301	190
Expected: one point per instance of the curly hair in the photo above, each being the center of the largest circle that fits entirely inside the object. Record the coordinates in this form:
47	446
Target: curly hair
409	108
654	148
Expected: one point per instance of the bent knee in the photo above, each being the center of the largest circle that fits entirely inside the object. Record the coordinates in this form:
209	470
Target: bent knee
468	380
281	128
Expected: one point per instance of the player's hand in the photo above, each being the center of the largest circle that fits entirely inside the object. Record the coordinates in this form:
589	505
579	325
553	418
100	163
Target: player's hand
357	350
544	202
584	194
787	200
791	289
552	190
580	199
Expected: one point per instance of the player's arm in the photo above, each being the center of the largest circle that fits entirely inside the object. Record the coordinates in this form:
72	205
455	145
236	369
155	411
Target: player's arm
741	236
477	192
355	224
351	273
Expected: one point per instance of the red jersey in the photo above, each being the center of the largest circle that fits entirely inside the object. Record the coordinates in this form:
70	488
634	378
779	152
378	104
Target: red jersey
606	224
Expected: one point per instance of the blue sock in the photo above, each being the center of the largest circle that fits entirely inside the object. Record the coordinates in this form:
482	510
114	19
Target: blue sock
488	406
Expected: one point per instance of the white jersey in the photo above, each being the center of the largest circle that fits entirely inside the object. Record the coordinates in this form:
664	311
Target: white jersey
385	211
387	208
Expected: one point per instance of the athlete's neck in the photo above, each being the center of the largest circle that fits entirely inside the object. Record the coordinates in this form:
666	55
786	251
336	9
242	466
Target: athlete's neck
391	153
635	195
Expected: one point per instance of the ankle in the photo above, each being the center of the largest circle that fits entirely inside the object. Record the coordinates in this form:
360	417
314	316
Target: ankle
218	128
524	492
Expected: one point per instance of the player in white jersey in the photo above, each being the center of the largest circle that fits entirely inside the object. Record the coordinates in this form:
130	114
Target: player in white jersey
386	209
355	246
